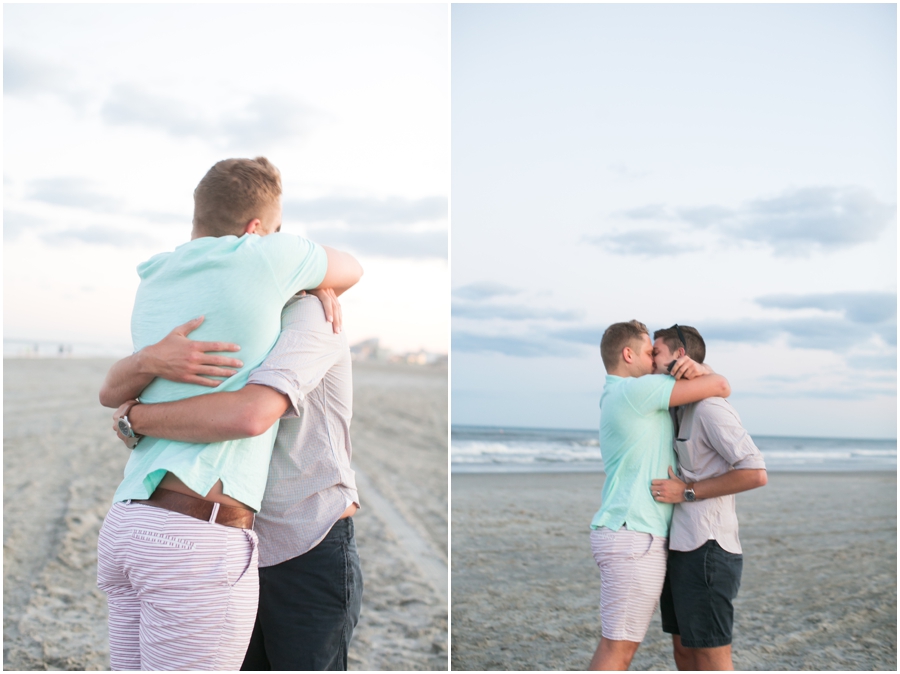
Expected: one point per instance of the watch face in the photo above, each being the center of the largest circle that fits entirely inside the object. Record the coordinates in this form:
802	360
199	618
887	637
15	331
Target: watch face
688	494
125	427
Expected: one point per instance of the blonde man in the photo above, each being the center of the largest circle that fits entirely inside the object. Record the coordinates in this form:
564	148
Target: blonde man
630	530
177	553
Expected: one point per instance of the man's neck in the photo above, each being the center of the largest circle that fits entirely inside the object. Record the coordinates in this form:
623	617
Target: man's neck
621	371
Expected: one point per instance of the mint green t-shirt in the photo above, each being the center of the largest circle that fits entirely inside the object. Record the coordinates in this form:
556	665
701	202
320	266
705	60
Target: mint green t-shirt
240	285
636	438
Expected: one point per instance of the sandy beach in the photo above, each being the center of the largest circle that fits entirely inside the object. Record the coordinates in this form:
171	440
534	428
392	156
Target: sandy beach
62	463
819	588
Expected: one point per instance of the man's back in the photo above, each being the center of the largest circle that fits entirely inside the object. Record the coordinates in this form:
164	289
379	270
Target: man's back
310	480
240	285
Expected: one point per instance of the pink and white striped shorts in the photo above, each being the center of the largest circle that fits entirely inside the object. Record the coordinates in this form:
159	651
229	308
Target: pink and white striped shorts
182	592
632	571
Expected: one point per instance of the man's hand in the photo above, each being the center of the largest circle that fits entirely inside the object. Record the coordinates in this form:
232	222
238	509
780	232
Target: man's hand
668	491
180	359
332	307
687	368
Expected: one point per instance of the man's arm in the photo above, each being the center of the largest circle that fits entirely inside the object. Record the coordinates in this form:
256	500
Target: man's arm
343	271
693	390
210	418
176	358
732	482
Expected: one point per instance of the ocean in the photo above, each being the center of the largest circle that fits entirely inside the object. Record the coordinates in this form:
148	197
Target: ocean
483	449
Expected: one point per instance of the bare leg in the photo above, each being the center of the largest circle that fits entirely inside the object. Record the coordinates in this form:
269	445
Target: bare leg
613	656
713	659
684	657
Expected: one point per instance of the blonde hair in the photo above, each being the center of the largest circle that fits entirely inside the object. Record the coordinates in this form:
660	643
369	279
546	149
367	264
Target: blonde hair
234	192
616	338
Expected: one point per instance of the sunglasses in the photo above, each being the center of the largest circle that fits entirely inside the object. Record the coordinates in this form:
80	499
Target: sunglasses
680	335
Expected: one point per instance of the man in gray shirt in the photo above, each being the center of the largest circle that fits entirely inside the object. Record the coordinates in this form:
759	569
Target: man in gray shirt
716	460
310	579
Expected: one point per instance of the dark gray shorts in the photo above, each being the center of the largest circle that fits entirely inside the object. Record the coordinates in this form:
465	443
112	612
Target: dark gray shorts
697	595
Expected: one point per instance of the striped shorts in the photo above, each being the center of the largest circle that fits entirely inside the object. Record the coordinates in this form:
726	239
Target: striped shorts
632	571
182	592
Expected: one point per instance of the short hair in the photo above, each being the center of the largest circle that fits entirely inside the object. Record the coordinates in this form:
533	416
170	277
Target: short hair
694	345
616	338
234	192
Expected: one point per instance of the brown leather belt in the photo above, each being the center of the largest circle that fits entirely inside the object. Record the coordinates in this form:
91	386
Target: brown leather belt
229	516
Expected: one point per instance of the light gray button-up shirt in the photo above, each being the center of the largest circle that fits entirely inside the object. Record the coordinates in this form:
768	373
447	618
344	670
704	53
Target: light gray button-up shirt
310	481
709	441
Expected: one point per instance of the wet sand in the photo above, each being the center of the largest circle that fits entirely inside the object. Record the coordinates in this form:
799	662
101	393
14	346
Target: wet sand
819	588
62	464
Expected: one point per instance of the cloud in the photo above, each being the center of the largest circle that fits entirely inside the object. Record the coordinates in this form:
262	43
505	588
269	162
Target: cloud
859	307
27	75
826	217
833	334
99	235
795	222
511	313
529	346
881	362
384	242
650	212
263	121
16	223
589	335
76	192
484	290
127	104
364	211
642	242
166	218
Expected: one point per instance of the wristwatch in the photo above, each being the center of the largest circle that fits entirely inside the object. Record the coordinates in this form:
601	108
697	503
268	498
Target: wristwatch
689	495
125	425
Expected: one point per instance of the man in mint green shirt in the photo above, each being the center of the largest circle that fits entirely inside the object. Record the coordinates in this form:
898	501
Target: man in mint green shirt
629	532
177	554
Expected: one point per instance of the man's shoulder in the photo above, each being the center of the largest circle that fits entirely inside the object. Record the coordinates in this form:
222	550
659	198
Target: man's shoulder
713	407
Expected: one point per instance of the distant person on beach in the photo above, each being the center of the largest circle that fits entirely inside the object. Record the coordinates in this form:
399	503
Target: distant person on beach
629	532
310	578
177	554
716	460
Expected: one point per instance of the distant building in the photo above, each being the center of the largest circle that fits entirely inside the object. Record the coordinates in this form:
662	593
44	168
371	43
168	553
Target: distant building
371	349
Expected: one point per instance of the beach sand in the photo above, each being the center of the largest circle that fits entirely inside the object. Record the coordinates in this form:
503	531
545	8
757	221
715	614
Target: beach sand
819	588
62	464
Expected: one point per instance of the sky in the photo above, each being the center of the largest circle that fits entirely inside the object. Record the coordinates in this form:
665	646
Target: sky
728	167
113	114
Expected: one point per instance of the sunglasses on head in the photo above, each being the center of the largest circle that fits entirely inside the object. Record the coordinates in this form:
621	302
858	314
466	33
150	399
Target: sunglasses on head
680	335
684	343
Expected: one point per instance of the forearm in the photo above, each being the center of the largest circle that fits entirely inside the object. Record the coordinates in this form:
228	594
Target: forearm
211	418
124	381
732	482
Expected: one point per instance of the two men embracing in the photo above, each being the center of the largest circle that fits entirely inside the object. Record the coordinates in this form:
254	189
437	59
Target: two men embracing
657	533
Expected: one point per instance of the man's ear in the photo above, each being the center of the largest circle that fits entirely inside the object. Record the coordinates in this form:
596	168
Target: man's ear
628	355
252	226
681	352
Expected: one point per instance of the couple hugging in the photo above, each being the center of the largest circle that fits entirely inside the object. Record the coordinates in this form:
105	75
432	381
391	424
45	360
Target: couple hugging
659	537
220	552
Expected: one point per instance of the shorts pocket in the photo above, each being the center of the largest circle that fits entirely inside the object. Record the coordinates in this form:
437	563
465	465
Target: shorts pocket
243	556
